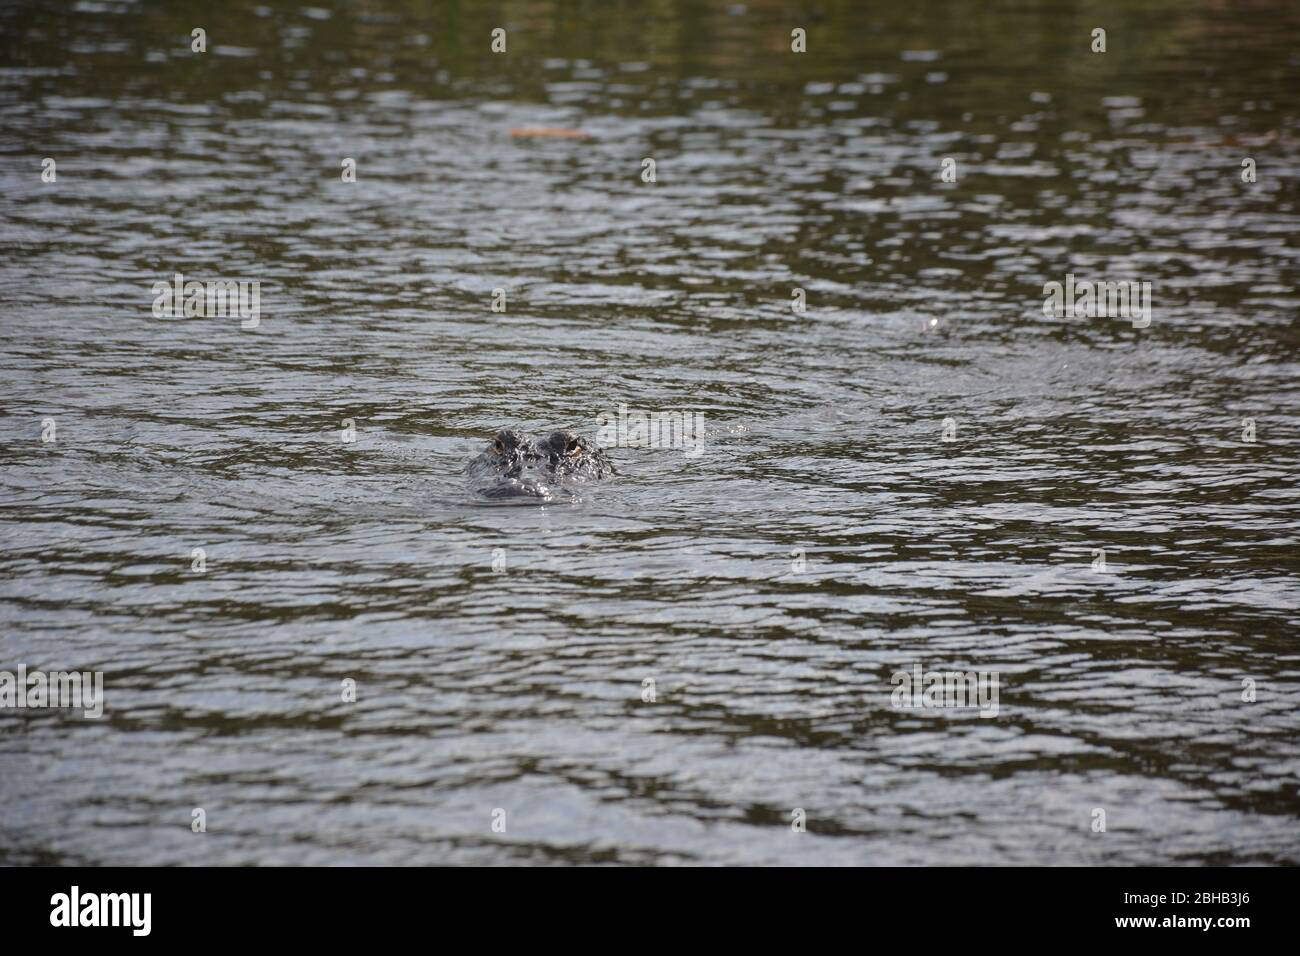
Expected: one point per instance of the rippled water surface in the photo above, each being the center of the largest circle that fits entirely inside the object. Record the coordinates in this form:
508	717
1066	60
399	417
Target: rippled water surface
825	537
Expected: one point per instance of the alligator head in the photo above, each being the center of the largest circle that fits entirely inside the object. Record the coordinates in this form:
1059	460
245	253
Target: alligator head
517	466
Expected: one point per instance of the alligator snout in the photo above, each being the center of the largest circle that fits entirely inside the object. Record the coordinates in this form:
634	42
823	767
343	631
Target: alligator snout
524	468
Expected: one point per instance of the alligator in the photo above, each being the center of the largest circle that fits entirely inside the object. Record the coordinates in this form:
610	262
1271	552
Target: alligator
518	467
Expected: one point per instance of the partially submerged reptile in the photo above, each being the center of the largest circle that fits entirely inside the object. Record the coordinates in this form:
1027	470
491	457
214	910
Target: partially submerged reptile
519	467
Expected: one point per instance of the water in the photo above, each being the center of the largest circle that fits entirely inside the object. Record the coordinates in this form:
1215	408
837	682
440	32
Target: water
520	688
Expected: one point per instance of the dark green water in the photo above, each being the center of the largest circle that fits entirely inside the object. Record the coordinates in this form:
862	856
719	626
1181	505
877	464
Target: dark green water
520	687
